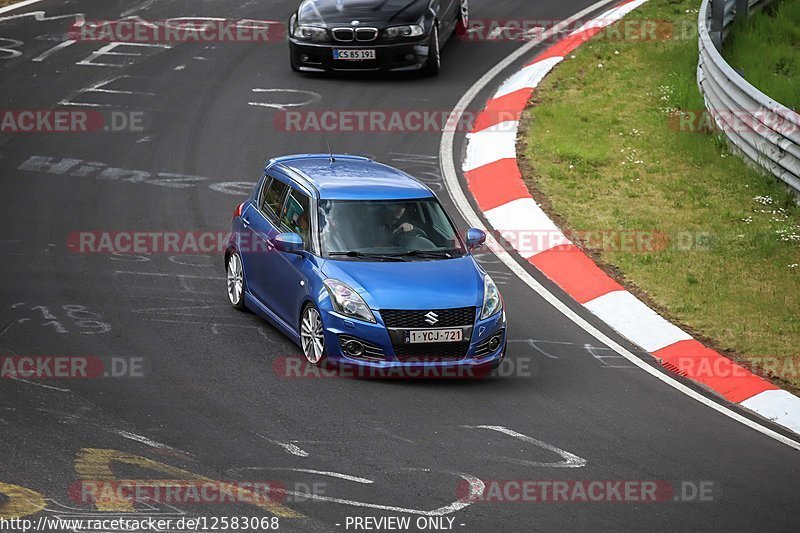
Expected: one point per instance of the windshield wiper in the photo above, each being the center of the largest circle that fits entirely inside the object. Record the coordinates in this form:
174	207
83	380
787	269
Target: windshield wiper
356	253
436	254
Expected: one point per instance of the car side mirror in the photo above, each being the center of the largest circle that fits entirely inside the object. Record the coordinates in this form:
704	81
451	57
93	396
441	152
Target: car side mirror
290	243
475	238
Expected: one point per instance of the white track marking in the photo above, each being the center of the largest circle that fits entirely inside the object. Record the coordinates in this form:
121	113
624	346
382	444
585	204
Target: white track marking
107	51
287	446
38	16
476	489
339	475
604	359
56	48
10	47
534	344
570	460
308	97
42	385
143	6
101	87
142	440
446	158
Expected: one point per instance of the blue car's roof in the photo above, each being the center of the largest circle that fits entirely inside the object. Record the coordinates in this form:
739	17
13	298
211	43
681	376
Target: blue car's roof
350	177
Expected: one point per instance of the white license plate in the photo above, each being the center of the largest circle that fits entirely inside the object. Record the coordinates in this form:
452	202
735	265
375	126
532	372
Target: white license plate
434	335
353	55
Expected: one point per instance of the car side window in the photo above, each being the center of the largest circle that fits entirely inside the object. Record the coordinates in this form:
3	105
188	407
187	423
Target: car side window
296	216
273	198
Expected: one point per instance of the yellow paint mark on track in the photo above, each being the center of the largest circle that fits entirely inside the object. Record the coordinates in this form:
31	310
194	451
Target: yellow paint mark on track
94	464
21	501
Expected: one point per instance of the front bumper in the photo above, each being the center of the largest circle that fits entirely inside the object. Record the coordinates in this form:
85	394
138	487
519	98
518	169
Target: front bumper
318	57
382	352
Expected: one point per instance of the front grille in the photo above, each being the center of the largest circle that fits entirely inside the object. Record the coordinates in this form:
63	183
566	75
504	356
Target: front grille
431	352
366	34
446	318
343	34
348	35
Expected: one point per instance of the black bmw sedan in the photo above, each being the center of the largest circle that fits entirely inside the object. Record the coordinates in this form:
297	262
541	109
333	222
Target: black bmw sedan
371	35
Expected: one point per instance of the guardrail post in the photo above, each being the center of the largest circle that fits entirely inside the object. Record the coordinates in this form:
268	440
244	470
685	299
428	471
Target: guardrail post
742	9
717	22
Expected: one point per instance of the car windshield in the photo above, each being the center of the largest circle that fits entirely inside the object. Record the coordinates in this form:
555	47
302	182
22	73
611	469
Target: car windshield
375	230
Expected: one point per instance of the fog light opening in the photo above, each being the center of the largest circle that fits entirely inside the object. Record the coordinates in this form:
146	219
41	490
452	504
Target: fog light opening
410	57
304	58
353	348
494	343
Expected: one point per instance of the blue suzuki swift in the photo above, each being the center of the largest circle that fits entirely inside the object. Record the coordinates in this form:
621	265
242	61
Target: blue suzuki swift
358	263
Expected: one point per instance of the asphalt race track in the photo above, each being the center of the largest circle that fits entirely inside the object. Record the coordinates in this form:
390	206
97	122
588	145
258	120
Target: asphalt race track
211	400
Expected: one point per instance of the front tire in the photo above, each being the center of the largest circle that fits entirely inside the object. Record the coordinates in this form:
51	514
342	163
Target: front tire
312	335
434	62
462	24
235	279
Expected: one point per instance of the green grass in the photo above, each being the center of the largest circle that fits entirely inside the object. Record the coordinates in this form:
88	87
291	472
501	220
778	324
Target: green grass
600	149
765	49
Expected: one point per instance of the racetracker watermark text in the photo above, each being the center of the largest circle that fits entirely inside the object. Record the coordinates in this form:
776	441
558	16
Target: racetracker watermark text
71	367
586	491
70	121
533	241
179	30
549	30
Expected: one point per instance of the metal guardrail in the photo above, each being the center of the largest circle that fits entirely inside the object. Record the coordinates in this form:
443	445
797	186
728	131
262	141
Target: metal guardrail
763	130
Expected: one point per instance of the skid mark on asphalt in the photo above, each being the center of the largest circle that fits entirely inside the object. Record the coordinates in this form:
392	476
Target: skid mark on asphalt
164	282
185	284
385	431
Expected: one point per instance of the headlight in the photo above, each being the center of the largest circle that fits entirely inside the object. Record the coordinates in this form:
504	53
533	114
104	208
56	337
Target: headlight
492	301
347	301
310	33
414	30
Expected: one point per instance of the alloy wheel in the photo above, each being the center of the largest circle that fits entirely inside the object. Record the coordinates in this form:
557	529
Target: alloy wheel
312	336
235	279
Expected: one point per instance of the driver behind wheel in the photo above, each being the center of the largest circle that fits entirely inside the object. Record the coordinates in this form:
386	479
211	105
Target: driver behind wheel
397	221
